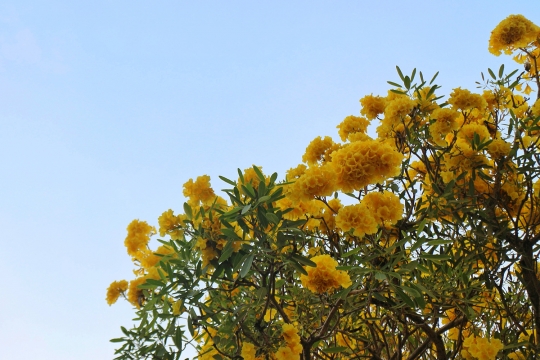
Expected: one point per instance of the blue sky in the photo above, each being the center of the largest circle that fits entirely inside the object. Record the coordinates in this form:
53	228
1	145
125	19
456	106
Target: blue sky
108	107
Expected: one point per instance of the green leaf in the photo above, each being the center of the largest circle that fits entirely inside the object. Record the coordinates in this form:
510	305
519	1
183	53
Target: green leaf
177	339
303	260
247	265
117	340
492	74
404	297
434	77
501	71
400	73
335	349
298	267
352	252
259	173
394	84
187	211
230	182
272	218
227	252
245	209
439	242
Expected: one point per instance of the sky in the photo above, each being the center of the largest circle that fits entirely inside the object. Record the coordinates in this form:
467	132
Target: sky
108	107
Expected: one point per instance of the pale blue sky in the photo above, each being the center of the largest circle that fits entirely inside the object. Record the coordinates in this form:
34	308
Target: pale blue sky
108	107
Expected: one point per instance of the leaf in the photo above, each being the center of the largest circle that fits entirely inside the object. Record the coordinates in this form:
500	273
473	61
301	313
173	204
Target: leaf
117	340
177	339
259	173
230	182
245	209
352	252
400	73
501	71
227	252
187	211
404	297
303	260
394	84
434	77
412	75
492	74
335	349
247	265
298	267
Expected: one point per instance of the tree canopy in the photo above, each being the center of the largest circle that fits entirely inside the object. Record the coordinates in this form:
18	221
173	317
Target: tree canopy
421	242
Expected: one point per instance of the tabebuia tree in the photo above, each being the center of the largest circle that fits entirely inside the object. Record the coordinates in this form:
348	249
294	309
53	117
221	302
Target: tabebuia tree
421	242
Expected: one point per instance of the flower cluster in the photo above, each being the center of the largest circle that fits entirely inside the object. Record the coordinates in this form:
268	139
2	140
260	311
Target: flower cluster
293	347
199	191
512	33
365	162
138	236
115	290
476	348
324	277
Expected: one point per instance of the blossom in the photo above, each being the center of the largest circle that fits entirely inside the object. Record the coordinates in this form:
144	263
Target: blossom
316	181
535	109
357	217
480	348
512	33
445	122
398	108
318	150
352	124
248	351
372	106
135	295
170	223
115	289
365	162
324	277
199	190
293	347
384	206
463	99
499	148
296	172
138	236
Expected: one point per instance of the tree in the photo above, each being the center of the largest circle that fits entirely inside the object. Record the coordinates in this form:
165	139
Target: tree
421	243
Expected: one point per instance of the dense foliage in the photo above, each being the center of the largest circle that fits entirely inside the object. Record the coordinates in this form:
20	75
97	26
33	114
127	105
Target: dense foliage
420	243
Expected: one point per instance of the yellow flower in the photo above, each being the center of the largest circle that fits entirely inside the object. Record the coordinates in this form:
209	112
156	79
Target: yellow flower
248	351
365	162
115	289
350	125
512	33
296	172
135	295
169	223
199	191
372	106
318	150
316	181
138	236
384	206
357	217
293	349
463	99
499	148
445	122
324	277
535	109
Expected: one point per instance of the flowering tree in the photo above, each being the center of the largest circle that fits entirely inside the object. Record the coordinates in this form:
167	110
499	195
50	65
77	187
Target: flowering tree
421	243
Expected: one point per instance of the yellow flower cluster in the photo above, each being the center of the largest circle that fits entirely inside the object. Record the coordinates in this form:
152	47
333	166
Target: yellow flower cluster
475	348
365	162
293	349
385	207
316	181
499	148
324	277
512	33
372	106
170	223
463	99
445	123
357	217
138	236
199	191
249	352
115	290
319	150
352	125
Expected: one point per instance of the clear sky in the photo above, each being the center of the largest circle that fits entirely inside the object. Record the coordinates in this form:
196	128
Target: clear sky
108	107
